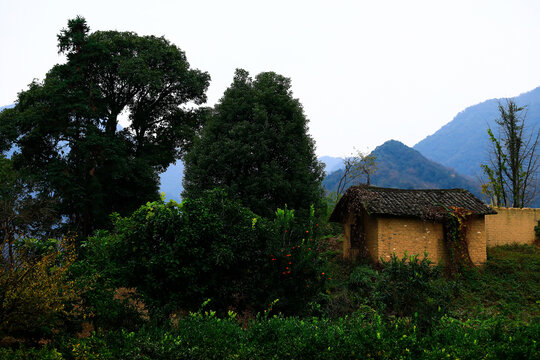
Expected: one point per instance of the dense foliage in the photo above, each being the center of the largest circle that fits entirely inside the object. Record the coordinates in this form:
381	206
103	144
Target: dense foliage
37	297
395	311
256	147
362	335
65	129
179	255
24	212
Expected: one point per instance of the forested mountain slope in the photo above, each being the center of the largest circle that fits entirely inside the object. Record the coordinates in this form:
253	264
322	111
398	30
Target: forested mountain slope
399	166
463	143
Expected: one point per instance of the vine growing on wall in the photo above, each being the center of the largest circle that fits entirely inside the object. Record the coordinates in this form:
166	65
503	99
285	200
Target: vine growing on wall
456	222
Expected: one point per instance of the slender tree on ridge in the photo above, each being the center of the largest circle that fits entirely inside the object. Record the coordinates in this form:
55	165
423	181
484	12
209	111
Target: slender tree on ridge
514	163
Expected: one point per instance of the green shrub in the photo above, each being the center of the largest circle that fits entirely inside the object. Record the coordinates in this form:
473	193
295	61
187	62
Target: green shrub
408	287
30	354
37	297
100	276
298	270
402	287
177	255
362	335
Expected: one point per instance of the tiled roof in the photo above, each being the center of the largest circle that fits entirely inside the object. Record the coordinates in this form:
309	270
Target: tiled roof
427	204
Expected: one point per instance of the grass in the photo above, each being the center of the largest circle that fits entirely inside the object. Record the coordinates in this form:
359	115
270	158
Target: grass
507	285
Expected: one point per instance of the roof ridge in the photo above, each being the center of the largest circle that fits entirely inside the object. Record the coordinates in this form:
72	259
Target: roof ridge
421	203
407	190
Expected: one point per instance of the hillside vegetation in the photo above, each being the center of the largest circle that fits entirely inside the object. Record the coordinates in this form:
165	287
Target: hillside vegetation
365	312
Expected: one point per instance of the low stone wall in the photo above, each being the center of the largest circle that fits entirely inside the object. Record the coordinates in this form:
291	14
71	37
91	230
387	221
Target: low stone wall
511	226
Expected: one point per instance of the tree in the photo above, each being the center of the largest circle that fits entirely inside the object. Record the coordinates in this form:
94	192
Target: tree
23	213
256	147
513	169
66	127
357	168
38	300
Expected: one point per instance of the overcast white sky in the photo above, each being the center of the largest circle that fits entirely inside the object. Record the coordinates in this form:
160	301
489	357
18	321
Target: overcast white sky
365	71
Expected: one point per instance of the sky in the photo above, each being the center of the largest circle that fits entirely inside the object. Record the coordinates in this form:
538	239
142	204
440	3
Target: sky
365	71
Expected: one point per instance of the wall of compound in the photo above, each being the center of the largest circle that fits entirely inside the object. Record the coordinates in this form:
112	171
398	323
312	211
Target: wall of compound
511	226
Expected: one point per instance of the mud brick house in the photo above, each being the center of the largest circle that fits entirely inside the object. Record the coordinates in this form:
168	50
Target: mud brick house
381	221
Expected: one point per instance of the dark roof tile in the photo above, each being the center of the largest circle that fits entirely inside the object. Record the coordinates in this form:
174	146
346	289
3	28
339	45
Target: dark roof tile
427	204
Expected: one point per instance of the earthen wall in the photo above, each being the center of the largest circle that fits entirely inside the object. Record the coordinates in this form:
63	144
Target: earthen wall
511	226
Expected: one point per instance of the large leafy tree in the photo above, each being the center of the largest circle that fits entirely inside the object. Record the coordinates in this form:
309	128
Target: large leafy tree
256	147
66	127
514	163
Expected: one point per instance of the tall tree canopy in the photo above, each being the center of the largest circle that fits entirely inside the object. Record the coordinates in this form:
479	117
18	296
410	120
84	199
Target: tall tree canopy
66	127
256	147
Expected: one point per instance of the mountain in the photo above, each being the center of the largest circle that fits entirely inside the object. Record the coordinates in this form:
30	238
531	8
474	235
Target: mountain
399	166
6	107
331	163
463	143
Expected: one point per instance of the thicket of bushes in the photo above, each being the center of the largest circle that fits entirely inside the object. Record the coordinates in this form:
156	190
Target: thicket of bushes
273	286
179	255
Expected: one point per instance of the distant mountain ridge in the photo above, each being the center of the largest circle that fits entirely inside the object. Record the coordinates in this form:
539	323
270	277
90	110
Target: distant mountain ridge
6	107
463	143
399	166
331	163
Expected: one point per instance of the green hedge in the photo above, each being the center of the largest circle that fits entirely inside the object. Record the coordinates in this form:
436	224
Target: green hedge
363	335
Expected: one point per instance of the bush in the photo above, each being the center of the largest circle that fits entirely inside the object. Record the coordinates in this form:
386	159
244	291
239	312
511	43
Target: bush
362	335
37	297
403	287
178	255
30	354
298	271
102	278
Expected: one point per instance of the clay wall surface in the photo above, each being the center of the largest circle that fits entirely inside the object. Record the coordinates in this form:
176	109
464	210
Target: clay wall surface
388	235
370	224
347	238
476	240
511	226
397	235
372	236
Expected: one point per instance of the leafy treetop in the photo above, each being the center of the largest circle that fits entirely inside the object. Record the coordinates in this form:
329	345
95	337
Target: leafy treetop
256	147
66	127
